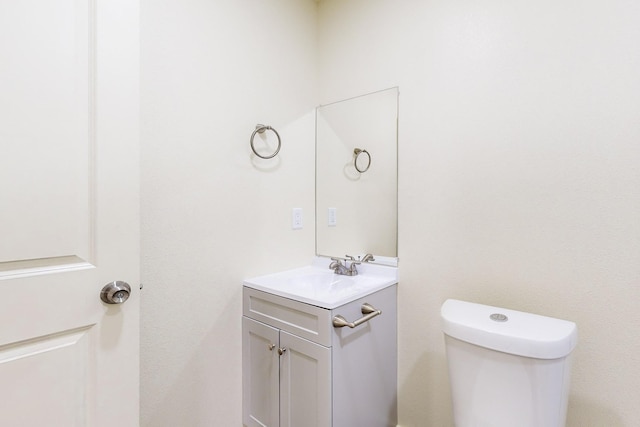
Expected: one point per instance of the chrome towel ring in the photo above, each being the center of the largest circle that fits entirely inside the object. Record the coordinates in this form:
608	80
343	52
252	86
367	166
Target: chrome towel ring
357	152
261	129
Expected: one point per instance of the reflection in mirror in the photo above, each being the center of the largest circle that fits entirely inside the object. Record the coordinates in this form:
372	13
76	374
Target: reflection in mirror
357	177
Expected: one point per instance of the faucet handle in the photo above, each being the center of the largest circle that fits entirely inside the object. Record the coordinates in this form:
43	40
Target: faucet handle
353	271
336	263
354	262
368	257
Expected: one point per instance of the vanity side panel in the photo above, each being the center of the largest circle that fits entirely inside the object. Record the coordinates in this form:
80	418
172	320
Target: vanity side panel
304	320
365	364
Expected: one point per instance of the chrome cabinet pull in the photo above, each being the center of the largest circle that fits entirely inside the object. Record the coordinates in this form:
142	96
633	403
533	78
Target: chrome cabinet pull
367	309
281	350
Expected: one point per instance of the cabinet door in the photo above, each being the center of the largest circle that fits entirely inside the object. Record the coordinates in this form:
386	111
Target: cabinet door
305	383
260	370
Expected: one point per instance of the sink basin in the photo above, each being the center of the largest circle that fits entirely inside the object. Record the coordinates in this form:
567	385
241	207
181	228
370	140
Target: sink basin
318	285
321	282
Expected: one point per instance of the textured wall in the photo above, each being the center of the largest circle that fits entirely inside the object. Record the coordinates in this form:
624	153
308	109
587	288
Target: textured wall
519	176
211	213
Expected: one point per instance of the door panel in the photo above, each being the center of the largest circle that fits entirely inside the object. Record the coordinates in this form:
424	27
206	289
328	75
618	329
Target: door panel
305	383
46	112
69	218
59	363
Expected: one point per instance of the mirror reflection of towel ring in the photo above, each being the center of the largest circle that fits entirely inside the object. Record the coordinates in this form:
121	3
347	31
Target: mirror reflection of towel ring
261	129
357	153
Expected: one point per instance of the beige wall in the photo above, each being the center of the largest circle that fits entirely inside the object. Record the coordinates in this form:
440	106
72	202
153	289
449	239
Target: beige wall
519	176
212	214
519	180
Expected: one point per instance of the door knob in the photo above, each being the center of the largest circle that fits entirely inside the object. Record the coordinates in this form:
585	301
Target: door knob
115	292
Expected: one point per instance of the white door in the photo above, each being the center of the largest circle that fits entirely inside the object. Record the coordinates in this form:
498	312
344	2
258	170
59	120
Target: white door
68	212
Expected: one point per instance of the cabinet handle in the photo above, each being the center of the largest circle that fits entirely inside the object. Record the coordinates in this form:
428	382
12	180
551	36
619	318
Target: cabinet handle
281	350
271	346
367	309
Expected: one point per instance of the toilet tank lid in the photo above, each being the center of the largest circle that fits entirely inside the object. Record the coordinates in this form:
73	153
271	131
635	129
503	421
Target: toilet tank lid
508	331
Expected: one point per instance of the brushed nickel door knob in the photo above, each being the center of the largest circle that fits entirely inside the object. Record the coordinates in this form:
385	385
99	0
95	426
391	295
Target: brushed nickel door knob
115	292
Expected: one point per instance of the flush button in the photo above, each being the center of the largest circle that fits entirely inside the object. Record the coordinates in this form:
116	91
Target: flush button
498	317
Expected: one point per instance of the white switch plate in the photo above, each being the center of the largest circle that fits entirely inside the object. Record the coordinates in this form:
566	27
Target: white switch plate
296	219
332	217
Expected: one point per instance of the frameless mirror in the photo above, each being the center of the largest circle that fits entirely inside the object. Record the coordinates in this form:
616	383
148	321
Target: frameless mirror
357	177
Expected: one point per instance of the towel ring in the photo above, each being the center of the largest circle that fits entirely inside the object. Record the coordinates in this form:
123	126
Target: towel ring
357	153
261	129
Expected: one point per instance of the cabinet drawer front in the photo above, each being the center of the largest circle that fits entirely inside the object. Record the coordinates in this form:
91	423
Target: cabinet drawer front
305	320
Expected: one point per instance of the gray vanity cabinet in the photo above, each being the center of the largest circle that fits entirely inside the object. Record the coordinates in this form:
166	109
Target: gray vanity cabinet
301	371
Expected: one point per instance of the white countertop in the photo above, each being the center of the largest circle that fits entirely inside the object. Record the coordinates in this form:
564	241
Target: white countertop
318	285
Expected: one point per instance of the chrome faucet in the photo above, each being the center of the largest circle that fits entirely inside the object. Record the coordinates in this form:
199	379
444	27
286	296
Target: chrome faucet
339	268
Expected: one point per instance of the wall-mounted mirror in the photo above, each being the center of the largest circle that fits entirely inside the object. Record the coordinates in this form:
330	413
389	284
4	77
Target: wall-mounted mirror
357	177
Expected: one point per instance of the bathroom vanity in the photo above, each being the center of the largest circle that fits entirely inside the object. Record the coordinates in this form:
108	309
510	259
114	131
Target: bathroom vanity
320	349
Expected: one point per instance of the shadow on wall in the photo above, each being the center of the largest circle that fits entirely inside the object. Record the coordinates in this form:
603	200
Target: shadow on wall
426	394
585	413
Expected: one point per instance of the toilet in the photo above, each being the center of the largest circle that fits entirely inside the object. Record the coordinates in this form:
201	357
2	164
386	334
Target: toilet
507	368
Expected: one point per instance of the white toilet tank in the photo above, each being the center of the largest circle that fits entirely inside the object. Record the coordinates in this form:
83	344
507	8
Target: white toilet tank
507	368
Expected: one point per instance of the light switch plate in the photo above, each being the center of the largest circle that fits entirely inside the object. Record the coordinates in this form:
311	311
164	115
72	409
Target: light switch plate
332	219
296	218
